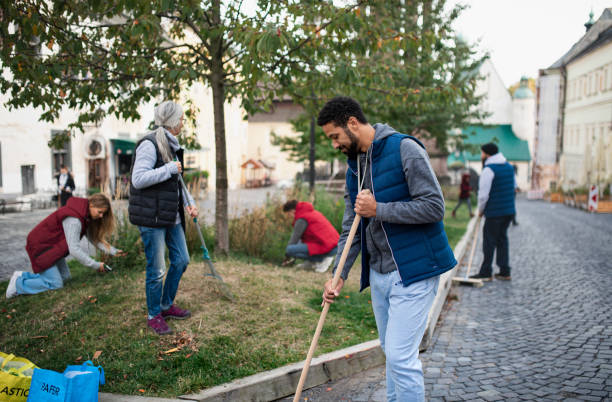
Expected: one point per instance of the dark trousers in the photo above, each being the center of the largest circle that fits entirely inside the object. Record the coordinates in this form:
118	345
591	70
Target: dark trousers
495	236
64	197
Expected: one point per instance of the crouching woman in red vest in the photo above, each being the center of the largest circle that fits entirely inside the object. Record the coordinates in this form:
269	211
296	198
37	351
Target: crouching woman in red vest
58	235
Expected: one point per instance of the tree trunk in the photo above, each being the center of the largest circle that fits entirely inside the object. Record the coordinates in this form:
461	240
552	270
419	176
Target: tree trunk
312	154
218	89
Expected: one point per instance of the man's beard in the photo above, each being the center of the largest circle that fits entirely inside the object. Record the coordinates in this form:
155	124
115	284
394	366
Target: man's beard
352	150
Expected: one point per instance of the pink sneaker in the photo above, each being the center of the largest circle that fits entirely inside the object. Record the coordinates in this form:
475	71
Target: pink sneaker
175	312
158	324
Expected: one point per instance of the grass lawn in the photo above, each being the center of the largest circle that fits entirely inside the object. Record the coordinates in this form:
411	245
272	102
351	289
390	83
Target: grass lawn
270	324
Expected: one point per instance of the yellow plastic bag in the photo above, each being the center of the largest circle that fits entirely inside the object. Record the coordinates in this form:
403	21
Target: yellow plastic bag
15	378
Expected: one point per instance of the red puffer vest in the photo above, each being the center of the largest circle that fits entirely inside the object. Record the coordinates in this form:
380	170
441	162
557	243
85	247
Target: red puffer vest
320	236
46	242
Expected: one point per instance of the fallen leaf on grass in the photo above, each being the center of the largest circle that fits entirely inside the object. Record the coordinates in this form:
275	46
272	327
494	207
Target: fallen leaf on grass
141	390
173	350
97	354
78	359
346	297
8	316
188	356
125	376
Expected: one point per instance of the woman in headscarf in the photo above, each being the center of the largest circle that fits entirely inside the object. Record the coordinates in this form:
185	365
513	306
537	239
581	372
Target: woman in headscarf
155	206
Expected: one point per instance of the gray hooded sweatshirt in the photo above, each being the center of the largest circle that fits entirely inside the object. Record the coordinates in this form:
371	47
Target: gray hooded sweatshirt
426	206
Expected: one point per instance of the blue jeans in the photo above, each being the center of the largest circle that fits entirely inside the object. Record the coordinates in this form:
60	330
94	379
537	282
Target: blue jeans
300	250
468	201
401	315
49	279
160	294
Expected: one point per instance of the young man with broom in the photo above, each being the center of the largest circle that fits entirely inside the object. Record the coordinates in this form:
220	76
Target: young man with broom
404	249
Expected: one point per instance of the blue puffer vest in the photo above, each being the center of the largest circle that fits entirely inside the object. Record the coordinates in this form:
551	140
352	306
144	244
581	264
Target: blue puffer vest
501	196
419	251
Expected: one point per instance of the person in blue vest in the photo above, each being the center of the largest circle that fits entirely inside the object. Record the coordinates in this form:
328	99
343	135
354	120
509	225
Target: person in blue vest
404	249
496	191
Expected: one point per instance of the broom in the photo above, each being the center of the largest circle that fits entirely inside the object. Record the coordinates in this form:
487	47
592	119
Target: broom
335	279
466	280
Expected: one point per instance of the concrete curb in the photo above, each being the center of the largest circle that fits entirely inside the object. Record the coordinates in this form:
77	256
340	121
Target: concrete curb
282	382
106	397
445	285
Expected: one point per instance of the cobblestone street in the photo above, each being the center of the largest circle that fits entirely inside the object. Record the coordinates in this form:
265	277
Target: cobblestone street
546	335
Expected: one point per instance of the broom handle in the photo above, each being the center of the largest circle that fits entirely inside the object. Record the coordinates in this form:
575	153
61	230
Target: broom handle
469	267
336	278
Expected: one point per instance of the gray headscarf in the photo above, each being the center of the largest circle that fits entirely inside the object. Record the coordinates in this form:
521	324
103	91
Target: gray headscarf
167	116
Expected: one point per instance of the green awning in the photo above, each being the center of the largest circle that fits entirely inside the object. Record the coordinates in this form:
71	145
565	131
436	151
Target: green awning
512	147
122	146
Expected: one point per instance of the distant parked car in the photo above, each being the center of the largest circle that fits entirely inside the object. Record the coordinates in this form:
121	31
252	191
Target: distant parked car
284	184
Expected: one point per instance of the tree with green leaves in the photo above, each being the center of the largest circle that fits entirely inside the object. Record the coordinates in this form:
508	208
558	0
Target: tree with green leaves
405	65
104	58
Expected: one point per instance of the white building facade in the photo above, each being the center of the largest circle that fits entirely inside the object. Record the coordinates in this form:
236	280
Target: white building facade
574	124
98	158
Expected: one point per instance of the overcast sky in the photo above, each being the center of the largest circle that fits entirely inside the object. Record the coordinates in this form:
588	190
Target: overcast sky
523	36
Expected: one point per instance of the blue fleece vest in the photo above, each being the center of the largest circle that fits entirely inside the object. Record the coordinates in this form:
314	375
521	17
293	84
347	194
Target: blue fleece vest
419	251
501	196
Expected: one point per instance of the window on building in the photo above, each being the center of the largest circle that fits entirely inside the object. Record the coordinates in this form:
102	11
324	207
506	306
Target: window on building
590	85
61	156
190	161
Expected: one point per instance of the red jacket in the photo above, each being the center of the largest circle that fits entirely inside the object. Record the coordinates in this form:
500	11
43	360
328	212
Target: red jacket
320	236
46	243
465	187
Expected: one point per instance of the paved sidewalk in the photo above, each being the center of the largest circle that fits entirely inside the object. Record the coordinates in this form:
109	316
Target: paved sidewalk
546	335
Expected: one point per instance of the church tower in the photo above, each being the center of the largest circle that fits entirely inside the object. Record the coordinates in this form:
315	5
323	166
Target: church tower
523	113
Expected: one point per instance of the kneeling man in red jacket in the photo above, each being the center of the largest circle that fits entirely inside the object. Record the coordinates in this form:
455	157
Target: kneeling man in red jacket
314	238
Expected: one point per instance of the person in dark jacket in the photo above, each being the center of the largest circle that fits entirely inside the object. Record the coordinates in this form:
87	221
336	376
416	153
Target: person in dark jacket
314	238
404	249
65	185
59	235
496	195
464	194
156	207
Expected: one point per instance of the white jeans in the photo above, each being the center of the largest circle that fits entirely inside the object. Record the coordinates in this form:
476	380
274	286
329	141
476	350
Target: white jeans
401	315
